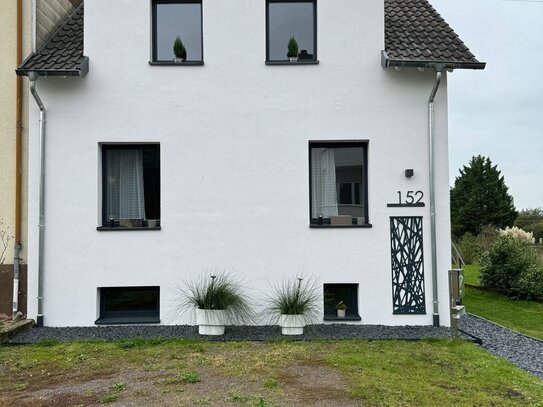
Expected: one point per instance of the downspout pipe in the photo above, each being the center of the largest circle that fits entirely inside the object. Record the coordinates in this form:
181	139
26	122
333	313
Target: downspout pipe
18	163
33	77
433	235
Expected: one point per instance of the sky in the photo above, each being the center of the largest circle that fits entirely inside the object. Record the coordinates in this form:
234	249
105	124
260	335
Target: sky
498	112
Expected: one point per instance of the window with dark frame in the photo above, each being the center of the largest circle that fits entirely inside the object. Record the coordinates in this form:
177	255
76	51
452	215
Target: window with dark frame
125	305
130	186
177	18
286	19
346	294
338	184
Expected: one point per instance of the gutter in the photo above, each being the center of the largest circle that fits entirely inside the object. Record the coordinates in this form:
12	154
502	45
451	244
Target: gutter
33	77
386	62
433	234
18	163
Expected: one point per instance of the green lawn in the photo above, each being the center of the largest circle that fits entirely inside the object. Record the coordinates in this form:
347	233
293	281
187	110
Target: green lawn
438	372
522	316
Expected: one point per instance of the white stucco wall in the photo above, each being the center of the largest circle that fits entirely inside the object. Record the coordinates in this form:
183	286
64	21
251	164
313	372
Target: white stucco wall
234	159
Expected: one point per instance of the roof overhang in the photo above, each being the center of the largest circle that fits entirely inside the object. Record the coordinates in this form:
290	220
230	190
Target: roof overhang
81	70
387	62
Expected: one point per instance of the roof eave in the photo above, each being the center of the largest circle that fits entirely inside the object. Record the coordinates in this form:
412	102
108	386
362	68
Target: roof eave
81	71
387	62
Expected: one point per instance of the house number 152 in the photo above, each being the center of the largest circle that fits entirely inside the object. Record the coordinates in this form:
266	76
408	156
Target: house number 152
410	198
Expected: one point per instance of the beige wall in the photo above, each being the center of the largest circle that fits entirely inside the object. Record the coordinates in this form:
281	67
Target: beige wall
8	63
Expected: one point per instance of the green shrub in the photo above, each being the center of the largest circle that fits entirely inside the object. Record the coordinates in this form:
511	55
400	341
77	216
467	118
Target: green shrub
506	265
472	247
530	283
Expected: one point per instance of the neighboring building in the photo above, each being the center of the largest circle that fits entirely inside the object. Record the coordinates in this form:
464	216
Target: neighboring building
13	137
236	158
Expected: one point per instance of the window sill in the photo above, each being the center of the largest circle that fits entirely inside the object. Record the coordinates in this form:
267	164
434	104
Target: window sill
308	62
119	228
127	320
367	225
171	63
333	317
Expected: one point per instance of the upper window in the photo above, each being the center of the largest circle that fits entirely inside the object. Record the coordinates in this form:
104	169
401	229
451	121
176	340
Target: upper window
131	185
177	31
291	31
339	193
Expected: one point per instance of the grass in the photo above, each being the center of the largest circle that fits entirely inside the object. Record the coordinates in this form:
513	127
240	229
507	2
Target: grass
522	316
275	373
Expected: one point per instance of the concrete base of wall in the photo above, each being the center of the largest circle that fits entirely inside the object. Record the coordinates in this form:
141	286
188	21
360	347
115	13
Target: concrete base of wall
6	288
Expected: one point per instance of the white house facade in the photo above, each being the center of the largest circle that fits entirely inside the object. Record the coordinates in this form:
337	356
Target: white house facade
236	158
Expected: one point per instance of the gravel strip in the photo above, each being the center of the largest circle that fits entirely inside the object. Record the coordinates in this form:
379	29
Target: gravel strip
233	333
523	351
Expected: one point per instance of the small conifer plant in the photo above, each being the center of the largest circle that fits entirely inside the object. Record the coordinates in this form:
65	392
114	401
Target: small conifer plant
179	49
292	48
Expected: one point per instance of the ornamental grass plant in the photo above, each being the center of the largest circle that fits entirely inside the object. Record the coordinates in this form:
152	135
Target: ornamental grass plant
218	290
296	296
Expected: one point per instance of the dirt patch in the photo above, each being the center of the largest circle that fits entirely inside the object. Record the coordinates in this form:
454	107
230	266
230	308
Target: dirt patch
315	385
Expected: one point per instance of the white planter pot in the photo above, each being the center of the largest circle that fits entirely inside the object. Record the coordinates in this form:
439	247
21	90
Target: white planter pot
210	322
341	313
292	324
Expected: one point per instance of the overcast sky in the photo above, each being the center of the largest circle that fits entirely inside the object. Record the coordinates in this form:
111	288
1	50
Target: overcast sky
498	112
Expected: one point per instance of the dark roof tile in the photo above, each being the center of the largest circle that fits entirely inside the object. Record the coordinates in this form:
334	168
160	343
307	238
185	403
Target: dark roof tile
416	35
62	53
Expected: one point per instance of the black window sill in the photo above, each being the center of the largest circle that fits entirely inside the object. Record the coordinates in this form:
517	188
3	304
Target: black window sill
119	228
367	225
171	63
127	320
308	62
334	317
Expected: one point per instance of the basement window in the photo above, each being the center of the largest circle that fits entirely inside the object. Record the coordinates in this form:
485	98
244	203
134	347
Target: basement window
129	305
346	294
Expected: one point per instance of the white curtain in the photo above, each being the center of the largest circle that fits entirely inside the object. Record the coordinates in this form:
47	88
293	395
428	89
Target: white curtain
124	177
323	183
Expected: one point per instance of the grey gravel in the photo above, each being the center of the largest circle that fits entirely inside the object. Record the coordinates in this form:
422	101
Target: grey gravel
522	350
233	333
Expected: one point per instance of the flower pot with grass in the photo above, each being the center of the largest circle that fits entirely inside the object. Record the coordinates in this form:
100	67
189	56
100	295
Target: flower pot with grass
341	308
295	304
179	50
292	48
219	301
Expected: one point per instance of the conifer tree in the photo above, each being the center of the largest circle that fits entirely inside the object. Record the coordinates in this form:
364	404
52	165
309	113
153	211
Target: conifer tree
480	197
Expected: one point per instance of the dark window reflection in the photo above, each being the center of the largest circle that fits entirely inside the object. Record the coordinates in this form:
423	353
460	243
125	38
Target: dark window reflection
178	19
130	299
286	19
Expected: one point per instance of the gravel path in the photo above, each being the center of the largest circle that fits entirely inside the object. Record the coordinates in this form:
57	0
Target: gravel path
523	351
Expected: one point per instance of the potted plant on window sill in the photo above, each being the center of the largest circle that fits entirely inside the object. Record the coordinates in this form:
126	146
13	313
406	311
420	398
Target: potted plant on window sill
179	50
292	48
294	303
218	300
341	308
